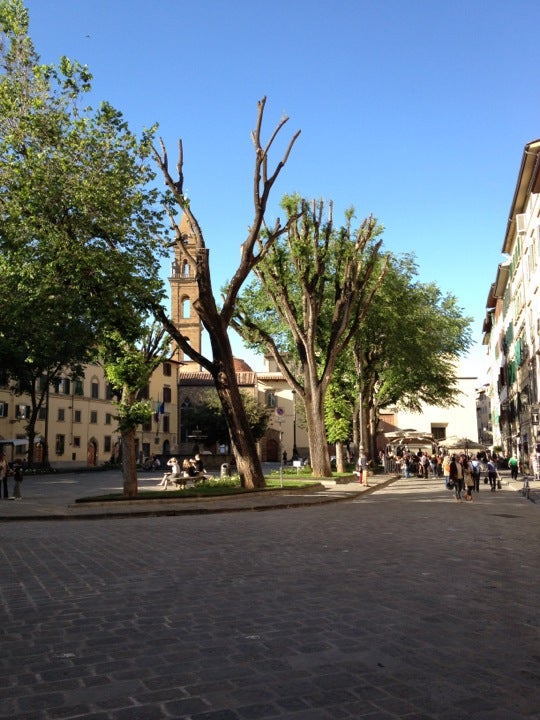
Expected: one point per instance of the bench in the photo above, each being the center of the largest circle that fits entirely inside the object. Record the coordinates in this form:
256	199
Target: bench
187	480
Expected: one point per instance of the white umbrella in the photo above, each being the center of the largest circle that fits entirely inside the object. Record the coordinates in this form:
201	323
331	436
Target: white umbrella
462	443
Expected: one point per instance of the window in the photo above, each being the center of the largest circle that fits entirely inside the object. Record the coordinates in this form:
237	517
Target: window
22	412
60	444
166	423
79	387
61	414
167	395
438	432
77	415
167	369
42	414
107	445
271	399
62	385
77	442
4	407
108	418
93	417
147	426
94	390
185	308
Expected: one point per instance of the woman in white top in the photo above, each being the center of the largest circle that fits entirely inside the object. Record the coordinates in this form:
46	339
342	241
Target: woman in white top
172	475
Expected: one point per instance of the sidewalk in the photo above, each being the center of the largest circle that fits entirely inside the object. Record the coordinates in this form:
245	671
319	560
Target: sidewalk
518	485
52	497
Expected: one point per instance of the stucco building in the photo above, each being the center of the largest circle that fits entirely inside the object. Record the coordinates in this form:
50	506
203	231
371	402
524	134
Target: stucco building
512	323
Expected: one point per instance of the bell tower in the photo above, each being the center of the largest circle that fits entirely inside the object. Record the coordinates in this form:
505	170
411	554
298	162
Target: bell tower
184	292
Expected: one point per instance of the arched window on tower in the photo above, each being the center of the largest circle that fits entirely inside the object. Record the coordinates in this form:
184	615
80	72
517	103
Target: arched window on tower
185	269
185	307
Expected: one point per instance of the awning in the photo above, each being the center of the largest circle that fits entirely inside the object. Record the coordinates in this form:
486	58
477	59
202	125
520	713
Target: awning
19	441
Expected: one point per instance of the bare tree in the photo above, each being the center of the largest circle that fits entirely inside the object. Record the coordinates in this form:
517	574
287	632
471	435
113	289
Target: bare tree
217	320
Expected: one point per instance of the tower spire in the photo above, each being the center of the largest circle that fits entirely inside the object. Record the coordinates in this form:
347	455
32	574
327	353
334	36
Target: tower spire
184	291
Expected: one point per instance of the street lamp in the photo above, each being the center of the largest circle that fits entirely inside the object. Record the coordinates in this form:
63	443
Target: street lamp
295	449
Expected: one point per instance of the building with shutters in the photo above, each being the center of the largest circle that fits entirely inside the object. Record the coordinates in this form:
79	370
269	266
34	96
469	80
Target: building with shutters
511	330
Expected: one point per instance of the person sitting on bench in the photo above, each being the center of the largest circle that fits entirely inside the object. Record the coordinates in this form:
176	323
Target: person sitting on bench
171	476
199	465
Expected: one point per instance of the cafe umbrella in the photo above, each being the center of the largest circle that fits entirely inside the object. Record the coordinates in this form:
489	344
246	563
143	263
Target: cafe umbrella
462	444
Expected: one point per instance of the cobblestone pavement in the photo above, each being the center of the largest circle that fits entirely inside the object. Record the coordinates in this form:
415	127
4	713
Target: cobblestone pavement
401	604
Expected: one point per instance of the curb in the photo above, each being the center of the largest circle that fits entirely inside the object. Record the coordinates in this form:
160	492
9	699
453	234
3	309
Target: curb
277	504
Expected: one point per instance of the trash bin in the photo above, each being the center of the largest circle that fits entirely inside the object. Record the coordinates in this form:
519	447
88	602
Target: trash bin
225	470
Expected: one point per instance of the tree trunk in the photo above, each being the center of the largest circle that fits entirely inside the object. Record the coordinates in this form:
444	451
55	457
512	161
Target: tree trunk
318	447
217	321
244	446
340	459
129	463
372	431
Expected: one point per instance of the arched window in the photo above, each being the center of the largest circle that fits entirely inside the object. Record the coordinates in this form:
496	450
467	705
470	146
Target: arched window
185	268
186	307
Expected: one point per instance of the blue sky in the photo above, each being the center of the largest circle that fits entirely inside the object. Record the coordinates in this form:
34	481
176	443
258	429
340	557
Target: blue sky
414	110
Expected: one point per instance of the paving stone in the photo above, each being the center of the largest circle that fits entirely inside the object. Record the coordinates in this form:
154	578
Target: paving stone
398	604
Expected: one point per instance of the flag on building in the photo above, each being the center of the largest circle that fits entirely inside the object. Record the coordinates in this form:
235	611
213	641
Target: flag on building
160	410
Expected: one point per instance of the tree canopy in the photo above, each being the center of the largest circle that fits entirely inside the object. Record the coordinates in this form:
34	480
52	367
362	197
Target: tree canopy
311	293
129	367
81	234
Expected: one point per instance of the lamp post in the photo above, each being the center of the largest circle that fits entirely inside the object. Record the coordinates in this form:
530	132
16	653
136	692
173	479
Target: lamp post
525	437
295	449
360	418
280	416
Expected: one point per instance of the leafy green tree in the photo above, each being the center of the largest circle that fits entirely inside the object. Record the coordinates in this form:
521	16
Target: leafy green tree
311	293
129	367
80	232
405	352
217	320
411	343
40	340
339	406
208	414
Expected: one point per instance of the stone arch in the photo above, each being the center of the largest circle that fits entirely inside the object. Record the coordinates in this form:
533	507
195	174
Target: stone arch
185	307
92	453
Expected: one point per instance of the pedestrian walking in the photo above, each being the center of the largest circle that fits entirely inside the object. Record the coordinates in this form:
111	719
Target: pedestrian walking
513	464
446	469
468	479
476	467
361	468
4	472
18	475
456	476
492	474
